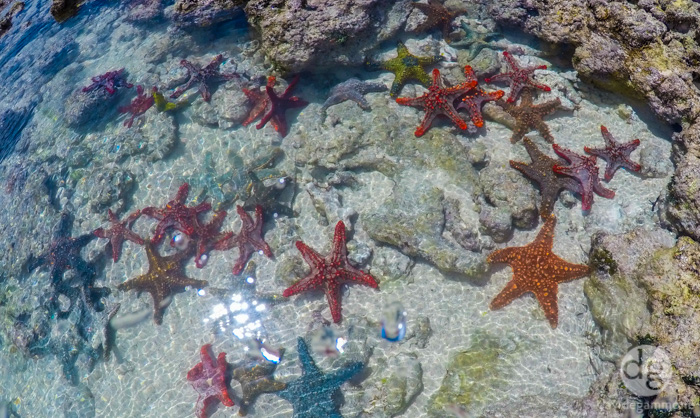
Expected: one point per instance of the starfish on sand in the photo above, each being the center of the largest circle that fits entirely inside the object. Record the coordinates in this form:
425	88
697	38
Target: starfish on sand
352	89
615	154
519	77
536	269
202	76
529	116
405	66
330	272
119	232
585	171
208	378
138	106
279	105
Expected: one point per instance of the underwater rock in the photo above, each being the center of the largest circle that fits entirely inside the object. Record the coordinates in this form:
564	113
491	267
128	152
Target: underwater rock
80	403
226	109
390	265
154	140
145	10
12	123
81	107
681	206
62	10
204	13
393	386
327	202
325	33
107	187
505	189
6	20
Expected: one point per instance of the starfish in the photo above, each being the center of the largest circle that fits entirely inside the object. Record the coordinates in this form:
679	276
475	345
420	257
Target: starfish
201	76
279	105
164	277
175	214
405	66
312	395
248	240
208	378
519	77
530	116
352	89
540	170
255	379
536	269
585	171
475	98
109	81
438	101
615	154
209	237
437	16
475	41
260	101
119	232
138	106
330	272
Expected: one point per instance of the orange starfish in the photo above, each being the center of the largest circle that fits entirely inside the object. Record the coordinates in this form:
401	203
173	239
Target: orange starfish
536	270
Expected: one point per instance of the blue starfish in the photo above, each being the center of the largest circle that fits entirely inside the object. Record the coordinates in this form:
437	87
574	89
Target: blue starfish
311	395
352	89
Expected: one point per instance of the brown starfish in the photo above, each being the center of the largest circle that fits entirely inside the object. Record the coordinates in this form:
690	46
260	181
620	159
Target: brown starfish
615	154
255	379
437	15
536	269
119	232
530	116
248	240
540	170
164	277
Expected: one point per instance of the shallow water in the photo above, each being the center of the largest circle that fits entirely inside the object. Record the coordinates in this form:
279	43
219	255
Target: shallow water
65	169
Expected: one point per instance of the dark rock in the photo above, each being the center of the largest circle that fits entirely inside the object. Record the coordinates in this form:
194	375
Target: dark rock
62	10
206	12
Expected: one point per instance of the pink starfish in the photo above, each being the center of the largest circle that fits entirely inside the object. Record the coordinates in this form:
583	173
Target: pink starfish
176	215
330	272
208	378
438	101
119	232
585	170
615	154
279	105
519	77
138	106
248	240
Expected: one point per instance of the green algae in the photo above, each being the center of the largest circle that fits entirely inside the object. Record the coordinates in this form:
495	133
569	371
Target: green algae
602	259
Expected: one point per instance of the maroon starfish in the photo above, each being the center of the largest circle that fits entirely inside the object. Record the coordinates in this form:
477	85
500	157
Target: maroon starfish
248	240
279	105
615	154
209	237
585	170
138	106
109	81
438	101
176	215
208	378
202	75
475	98
119	232
260	101
519	77
330	272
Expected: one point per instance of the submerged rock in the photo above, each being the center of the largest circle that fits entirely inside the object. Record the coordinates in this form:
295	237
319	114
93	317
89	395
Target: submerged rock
394	385
204	13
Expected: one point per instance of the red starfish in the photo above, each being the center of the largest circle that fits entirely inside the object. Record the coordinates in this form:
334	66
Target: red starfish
260	100
330	272
138	106
476	97
208	378
248	240
119	232
208	237
175	214
438	101
519	77
584	170
279	105
615	154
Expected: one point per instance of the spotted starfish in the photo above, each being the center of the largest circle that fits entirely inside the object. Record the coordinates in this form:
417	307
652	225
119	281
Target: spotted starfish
615	154
260	101
541	171
209	237
405	66
536	269
119	232
202	76
330	272
437	15
352	89
585	171
164	277
208	378
138	106
438	101
255	378
519	77
248	240
529	116
176	215
312	394
279	105
475	98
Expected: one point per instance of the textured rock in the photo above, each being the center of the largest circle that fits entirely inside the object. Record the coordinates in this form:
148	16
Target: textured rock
204	13
394	385
507	190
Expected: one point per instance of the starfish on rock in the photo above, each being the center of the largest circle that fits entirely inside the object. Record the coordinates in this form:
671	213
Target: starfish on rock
109	81
248	240
208	378
536	269
312	394
201	76
438	101
330	272
352	89
138	106
176	215
279	105
519	77
437	15
209	237
530	116
260	101
119	232
615	154
475	98
585	171
405	66
256	378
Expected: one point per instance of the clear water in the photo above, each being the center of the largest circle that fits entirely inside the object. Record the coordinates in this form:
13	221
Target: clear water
49	167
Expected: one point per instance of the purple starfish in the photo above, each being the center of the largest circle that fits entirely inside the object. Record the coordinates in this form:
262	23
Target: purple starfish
110	81
119	232
202	75
279	105
615	154
584	170
138	106
519	77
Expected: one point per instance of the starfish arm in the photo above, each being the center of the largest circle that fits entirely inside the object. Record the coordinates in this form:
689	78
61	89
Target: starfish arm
245	251
340	252
526	169
307	283
331	101
314	259
515	89
346	373
545	237
538	85
507	295
333	297
519	132
204	90
308	366
602	191
549	107
504	255
425	61
548	301
411	101
565	271
543	129
178	92
498	77
426	122
360	100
